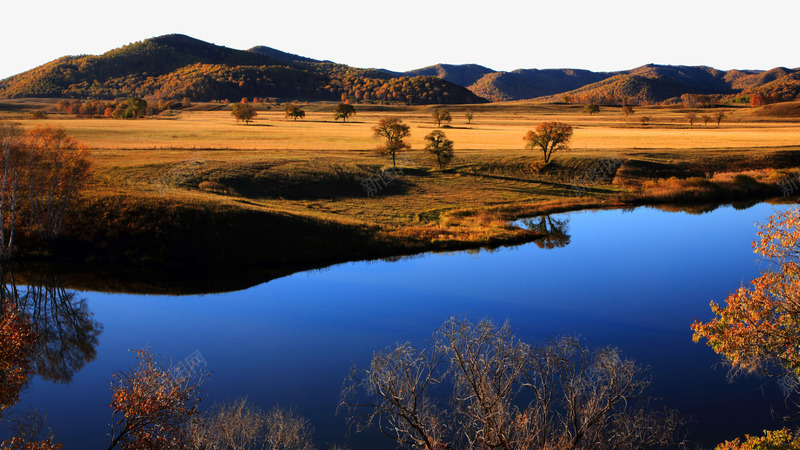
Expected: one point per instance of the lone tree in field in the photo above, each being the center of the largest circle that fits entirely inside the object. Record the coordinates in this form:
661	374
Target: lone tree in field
394	130
549	137
591	108
720	115
627	110
469	115
440	148
691	117
244	112
441	115
295	111
343	111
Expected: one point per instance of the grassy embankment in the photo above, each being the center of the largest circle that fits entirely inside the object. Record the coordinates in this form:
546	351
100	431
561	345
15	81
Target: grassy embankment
197	187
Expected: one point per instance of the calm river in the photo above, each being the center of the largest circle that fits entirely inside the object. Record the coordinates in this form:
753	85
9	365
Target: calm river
631	279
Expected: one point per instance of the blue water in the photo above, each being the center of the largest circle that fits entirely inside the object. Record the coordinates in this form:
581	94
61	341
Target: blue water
634	280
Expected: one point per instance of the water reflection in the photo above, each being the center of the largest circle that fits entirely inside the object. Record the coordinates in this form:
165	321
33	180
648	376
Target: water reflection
67	333
554	230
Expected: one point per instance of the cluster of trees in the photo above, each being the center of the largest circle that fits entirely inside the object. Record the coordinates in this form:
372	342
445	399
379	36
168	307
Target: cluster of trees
601	99
548	137
420	90
42	172
478	386
155	409
783	89
393	130
700	100
245	112
130	108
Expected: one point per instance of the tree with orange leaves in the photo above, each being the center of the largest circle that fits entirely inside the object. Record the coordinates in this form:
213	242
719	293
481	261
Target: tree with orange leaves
394	130
549	137
757	100
758	330
57	168
155	406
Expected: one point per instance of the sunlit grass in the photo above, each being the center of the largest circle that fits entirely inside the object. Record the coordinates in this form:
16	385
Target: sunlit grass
313	168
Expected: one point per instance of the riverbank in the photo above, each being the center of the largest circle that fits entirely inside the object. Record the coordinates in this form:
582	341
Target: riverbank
196	191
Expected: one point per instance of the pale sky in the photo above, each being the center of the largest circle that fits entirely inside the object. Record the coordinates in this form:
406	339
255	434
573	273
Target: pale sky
403	35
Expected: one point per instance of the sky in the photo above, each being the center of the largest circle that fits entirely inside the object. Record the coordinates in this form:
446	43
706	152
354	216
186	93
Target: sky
504	35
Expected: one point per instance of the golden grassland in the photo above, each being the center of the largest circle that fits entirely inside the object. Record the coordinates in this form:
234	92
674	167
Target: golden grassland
311	171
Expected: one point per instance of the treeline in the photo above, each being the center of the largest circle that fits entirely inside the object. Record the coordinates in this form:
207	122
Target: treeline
129	108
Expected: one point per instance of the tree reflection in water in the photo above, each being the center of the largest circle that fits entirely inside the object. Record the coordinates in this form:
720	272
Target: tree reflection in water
68	333
554	230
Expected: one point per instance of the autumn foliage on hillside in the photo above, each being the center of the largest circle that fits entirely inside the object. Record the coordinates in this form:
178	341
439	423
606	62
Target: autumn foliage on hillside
173	67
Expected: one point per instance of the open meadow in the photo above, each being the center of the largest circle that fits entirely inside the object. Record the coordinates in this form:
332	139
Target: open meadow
321	171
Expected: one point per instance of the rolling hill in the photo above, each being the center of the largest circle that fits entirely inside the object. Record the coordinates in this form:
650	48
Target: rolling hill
177	66
658	83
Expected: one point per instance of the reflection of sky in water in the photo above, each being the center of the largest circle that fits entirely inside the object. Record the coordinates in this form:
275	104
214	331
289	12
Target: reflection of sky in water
634	280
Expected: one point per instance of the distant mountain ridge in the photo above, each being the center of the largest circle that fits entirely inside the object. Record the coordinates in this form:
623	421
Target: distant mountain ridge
651	83
174	66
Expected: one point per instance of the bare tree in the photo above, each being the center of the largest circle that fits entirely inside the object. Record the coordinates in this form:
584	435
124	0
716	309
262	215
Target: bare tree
285	430
11	154
469	115
396	402
578	399
441	115
239	425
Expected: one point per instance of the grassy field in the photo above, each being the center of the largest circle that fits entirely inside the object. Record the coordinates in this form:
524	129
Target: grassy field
313	171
